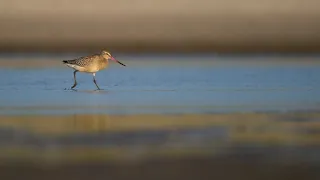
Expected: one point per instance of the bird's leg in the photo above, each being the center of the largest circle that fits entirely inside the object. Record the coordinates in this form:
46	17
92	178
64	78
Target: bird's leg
75	79
94	80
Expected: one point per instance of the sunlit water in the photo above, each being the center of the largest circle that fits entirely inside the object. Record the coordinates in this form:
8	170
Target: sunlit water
271	106
166	85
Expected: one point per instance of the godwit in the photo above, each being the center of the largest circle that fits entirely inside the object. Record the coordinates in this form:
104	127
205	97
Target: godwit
90	64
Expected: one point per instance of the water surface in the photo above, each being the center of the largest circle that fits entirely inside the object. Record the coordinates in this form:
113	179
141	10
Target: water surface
165	84
174	116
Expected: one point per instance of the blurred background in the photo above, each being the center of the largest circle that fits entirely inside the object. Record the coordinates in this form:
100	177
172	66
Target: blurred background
213	89
169	26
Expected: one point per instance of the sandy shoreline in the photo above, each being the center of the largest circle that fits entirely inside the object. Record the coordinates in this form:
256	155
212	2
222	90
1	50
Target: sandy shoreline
242	146
95	123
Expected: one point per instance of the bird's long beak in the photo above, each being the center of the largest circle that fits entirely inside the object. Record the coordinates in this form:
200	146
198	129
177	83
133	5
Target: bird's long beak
113	59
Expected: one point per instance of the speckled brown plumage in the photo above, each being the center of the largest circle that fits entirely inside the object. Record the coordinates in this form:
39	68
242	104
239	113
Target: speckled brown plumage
83	61
90	64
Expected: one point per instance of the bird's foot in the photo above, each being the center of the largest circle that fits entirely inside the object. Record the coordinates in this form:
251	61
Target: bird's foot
70	89
99	89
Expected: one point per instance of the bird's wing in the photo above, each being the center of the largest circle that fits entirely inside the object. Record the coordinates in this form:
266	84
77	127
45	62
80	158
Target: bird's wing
82	61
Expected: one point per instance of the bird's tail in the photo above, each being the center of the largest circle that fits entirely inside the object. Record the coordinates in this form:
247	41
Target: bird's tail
65	61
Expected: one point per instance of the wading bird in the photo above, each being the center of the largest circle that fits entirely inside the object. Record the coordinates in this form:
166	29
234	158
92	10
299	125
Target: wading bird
90	64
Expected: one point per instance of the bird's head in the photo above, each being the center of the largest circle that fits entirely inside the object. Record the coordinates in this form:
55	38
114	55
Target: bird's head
107	55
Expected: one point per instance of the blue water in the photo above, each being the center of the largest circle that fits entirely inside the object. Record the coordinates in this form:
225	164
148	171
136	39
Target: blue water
166	85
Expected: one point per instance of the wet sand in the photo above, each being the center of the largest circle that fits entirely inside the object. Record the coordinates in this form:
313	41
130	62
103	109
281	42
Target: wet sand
227	146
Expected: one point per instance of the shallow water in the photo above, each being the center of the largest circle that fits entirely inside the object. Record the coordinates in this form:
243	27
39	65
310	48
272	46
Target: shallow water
166	85
244	117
